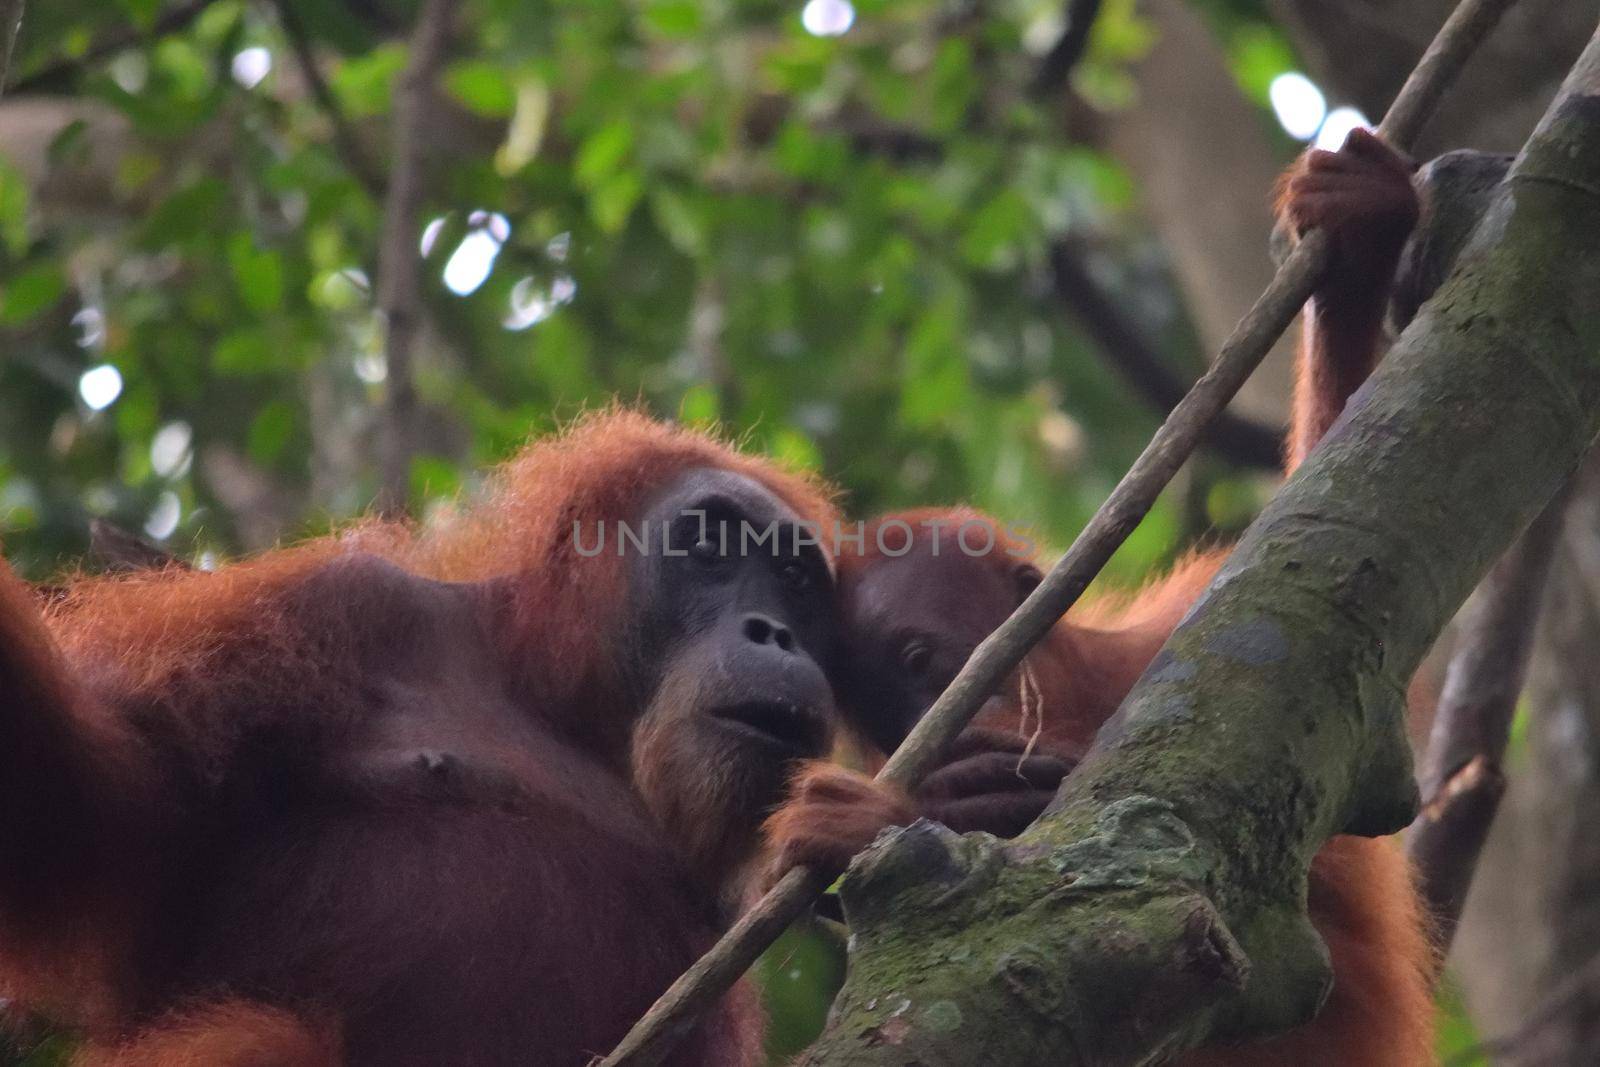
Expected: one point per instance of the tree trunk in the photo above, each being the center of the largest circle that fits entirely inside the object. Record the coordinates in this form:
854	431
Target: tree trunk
1527	927
1161	902
1192	141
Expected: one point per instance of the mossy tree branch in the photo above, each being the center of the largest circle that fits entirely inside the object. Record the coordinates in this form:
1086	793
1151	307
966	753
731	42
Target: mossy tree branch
1160	903
652	1038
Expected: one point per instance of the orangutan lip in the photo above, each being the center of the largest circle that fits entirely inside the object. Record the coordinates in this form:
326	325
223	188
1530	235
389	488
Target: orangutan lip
776	722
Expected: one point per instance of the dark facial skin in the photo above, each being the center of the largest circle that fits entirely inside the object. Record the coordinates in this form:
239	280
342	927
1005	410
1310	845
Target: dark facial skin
734	643
912	622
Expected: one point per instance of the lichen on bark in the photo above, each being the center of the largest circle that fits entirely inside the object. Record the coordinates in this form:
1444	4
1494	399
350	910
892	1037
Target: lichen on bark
1160	903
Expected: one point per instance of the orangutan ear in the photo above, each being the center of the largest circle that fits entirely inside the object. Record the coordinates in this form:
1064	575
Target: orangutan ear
1025	577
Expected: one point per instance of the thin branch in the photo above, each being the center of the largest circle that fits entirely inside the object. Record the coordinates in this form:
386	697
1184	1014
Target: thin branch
120	550
653	1036
399	261
344	135
10	29
1463	778
1057	64
378	16
1125	349
57	76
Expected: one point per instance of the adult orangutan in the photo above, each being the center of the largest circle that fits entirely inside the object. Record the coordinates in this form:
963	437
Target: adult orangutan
914	614
472	795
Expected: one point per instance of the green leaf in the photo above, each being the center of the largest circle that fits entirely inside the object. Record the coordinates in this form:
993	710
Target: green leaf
364	84
935	384
143	13
1259	54
562	357
954	85
700	406
1120	35
257	274
1150	542
804	153
613	200
602	153
14	198
799	976
137	169
188	213
34	290
70	146
245	353
187	67
795	450
482	87
674	18
433	477
680	219
1458	1041
995	232
270	432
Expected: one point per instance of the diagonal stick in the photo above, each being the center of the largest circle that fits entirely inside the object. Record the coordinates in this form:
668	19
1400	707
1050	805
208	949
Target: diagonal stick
675	1012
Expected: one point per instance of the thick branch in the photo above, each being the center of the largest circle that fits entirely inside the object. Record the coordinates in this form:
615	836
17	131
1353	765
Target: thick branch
654	1036
399	260
1161	902
1056	65
1463	778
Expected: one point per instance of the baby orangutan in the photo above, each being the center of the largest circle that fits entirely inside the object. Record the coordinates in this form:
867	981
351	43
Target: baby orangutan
913	614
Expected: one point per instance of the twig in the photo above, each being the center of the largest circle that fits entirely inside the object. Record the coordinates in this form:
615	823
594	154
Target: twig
55	75
1057	64
118	550
1463	778
10	29
344	136
654	1035
399	261
1128	351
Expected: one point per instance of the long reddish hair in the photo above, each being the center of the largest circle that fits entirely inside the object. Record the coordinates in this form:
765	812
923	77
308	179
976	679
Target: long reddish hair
150	626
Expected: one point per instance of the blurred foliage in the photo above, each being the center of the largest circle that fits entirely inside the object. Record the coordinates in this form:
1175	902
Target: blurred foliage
799	976
1459	1043
833	246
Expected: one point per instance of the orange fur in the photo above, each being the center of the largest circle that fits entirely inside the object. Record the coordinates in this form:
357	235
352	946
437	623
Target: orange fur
1361	897
152	625
1361	197
128	707
1364	904
228	1034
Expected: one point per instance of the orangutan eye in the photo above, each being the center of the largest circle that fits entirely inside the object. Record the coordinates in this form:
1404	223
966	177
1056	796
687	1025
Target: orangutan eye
795	577
705	550
915	658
